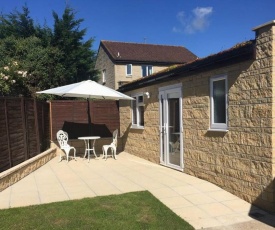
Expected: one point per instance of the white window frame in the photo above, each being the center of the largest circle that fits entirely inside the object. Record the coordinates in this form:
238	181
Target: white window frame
103	75
131	69
218	126
136	110
147	70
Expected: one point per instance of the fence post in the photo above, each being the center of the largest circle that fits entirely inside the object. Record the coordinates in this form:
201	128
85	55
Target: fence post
51	122
36	126
25	134
8	133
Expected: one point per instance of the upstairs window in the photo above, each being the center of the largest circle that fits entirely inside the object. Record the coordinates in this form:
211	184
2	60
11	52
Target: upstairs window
146	70
104	76
219	102
129	70
138	112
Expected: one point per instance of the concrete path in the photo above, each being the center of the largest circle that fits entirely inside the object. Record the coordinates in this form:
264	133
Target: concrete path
200	203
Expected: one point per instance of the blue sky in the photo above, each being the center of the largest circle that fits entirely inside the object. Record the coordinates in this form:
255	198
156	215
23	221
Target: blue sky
203	26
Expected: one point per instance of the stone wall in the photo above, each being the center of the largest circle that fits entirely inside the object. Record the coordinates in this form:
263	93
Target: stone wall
241	160
143	142
103	62
18	172
118	70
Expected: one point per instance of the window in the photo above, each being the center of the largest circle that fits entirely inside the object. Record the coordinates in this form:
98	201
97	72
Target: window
129	70
138	111
146	70
104	76
218	103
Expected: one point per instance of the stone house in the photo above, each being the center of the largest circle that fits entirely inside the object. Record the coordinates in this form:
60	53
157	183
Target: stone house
121	62
212	118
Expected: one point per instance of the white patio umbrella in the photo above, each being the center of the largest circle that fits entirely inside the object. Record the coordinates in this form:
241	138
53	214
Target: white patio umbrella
87	89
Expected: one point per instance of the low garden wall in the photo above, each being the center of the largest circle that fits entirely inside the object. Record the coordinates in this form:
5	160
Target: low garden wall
18	172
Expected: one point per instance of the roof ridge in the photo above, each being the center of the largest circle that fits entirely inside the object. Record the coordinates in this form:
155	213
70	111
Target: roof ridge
137	43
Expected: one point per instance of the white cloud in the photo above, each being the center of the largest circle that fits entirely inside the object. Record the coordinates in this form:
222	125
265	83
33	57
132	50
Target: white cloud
197	21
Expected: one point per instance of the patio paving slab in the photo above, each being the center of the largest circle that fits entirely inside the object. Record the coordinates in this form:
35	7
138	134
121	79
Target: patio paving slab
202	204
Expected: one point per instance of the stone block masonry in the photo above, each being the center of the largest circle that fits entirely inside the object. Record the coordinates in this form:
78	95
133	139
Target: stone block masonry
18	172
242	160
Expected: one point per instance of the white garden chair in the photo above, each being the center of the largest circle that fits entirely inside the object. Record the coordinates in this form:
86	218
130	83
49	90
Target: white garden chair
111	146
62	138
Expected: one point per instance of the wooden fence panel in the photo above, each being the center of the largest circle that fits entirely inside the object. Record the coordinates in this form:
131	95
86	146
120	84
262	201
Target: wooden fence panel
20	138
26	124
4	146
43	117
15	110
82	118
31	129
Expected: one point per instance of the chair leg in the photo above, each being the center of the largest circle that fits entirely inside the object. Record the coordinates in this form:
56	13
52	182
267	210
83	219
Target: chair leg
103	154
60	158
106	153
114	153
74	154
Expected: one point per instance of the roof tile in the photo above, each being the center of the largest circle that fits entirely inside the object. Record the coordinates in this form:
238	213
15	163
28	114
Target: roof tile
137	52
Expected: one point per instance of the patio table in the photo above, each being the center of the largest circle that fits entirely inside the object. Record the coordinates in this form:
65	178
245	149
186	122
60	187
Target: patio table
88	149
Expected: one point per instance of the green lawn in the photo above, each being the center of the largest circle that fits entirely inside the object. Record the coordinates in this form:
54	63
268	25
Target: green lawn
136	210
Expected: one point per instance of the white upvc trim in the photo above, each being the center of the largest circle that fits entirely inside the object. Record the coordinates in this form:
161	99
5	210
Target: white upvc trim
129	75
103	75
147	70
218	130
136	126
170	87
218	126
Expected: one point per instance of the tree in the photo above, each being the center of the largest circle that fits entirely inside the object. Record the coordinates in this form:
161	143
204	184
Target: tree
17	24
78	58
13	77
47	57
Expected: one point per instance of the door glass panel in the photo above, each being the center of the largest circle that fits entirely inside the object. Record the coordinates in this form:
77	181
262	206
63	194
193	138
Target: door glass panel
162	128
134	105
173	130
219	99
171	149
141	115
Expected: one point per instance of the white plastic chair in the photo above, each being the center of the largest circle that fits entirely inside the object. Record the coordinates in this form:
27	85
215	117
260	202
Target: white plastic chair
62	138
112	146
175	146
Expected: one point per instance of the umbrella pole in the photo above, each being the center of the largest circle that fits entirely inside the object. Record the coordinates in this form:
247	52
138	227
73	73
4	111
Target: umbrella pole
89	118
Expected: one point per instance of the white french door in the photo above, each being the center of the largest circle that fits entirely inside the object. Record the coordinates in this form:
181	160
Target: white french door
171	130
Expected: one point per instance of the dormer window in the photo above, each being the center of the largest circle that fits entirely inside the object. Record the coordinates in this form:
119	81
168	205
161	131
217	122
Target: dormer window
129	70
146	70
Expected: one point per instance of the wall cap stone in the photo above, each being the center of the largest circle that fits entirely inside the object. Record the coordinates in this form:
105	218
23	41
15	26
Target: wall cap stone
25	163
270	23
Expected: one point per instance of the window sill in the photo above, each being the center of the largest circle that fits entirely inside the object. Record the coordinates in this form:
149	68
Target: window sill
218	130
137	127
